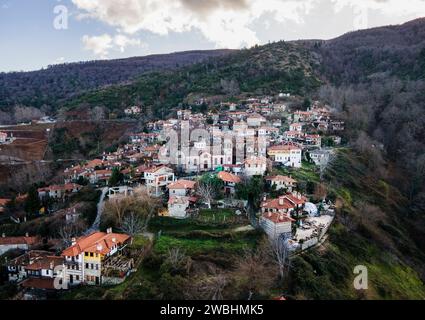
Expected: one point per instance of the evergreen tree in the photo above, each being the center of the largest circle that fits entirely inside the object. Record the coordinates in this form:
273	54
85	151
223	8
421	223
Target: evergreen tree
32	203
115	178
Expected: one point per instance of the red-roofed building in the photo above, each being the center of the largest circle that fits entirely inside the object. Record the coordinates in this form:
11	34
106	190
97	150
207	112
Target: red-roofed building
230	181
85	258
14	243
59	191
181	187
276	224
288	154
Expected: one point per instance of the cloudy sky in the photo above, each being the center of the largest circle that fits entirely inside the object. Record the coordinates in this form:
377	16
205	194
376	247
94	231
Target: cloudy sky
38	33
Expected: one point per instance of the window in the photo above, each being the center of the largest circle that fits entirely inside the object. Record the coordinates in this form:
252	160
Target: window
91	254
87	265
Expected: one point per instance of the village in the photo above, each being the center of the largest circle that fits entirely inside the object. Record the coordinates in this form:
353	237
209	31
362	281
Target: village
247	157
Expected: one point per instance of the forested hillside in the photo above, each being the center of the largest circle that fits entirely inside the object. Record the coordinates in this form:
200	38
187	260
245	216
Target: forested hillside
49	86
277	67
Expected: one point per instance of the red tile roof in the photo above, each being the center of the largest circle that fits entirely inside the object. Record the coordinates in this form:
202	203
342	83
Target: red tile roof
45	263
18	240
98	242
276	217
39	283
182	184
228	177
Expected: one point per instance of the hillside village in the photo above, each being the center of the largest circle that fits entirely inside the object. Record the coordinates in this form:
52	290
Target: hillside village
244	160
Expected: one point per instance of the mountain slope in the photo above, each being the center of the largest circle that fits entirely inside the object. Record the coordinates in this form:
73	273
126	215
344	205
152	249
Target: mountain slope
375	53
49	86
277	67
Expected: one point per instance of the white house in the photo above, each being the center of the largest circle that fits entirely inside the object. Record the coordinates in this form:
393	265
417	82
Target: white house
296	127
158	178
180	206
288	155
255	166
282	182
275	224
255	120
58	191
181	187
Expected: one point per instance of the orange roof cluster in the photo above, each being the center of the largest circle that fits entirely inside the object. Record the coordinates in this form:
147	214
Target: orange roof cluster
18	240
277	217
45	263
182	184
98	242
228	177
288	201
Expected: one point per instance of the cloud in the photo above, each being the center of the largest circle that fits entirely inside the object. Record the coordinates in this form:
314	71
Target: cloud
101	45
224	22
227	23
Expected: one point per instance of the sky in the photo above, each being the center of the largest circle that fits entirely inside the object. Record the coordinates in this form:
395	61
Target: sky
37	33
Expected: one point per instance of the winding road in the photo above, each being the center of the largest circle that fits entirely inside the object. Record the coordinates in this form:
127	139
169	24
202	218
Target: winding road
100	207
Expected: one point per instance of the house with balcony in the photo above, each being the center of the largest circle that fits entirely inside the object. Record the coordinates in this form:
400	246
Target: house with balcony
86	259
158	178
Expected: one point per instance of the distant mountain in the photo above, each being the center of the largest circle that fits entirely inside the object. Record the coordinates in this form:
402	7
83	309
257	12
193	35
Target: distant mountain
50	85
374	53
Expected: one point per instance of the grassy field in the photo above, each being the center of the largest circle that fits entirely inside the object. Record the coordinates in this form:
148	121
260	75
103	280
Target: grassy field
211	230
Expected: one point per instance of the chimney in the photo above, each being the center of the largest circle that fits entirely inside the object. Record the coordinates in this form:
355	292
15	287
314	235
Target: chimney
73	241
26	235
265	198
281	201
99	247
52	265
109	231
114	240
3	235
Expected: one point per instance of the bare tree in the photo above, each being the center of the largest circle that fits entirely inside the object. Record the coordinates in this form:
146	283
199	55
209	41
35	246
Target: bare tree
67	233
212	287
133	224
207	192
140	203
118	206
280	254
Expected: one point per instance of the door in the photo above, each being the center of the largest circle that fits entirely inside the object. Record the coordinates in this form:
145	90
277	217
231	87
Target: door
71	279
